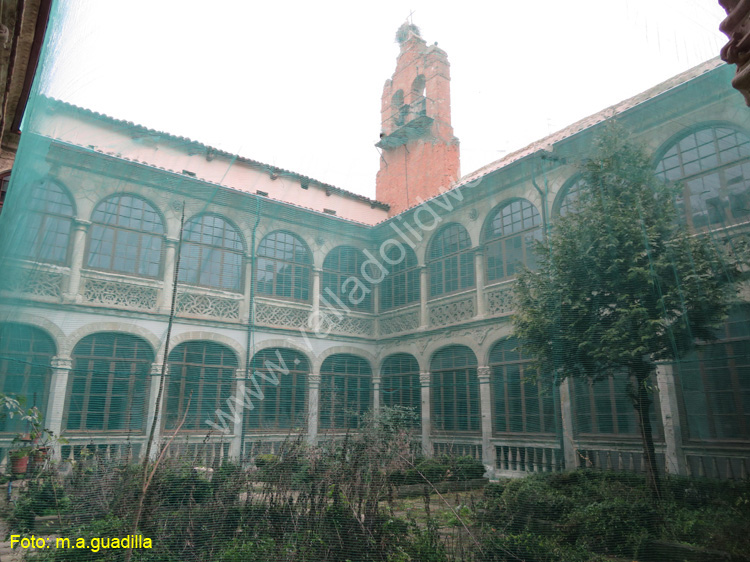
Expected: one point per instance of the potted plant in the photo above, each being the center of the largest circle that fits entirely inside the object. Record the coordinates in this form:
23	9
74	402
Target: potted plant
19	455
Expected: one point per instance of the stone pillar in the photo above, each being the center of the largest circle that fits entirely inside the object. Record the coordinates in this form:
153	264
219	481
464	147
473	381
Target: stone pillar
424	282
424	382
153	411
61	367
315	314
479	279
376	309
570	454
485	399
235	446
80	229
674	454
376	392
247	291
313	406
170	262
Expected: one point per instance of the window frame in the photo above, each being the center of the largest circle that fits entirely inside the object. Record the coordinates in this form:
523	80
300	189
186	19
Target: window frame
500	364
331	409
119	231
137	381
295	380
462	376
491	239
437	264
205	254
718	169
305	266
327	273
181	375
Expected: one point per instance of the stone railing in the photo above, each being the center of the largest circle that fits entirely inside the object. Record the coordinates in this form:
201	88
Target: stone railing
398	321
282	315
39	281
348	323
527	458
117	291
499	299
196	302
454	309
724	463
198	452
618	457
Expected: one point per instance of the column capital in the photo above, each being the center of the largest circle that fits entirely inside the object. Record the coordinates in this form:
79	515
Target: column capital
483	373
376	379
424	378
313	379
156	369
240	373
479	251
171	242
59	362
81	224
317	270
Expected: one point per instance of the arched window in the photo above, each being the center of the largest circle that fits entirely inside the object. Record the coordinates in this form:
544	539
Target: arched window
509	236
211	254
25	366
281	376
713	165
283	267
201	377
108	383
399	384
343	280
401	286
451	261
126	236
48	221
345	382
569	203
519	406
400	110
455	390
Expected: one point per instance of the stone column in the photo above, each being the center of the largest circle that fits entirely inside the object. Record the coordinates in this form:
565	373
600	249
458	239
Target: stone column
424	282
152	409
170	262
315	314
235	446
676	462
80	229
481	311
376	309
424	382
247	291
485	399
570	454
61	367
313	406
376	393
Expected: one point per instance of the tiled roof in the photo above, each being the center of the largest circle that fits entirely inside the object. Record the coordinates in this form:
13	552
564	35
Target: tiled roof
198	145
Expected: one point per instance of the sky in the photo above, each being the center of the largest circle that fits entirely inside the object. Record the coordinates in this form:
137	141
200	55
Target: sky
298	84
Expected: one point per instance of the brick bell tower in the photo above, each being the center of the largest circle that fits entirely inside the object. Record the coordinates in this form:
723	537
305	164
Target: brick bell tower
419	154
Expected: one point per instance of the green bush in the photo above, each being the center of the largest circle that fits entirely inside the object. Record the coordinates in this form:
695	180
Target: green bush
528	547
619	526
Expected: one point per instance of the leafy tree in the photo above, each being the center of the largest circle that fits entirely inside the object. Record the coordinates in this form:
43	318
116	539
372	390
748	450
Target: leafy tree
621	284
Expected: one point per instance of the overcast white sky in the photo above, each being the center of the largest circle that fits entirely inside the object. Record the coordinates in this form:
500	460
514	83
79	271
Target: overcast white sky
298	84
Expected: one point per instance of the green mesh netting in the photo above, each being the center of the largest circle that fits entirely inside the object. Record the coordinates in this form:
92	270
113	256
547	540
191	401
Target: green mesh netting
238	362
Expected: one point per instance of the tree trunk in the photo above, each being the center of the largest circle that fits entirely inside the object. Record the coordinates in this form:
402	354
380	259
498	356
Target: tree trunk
642	403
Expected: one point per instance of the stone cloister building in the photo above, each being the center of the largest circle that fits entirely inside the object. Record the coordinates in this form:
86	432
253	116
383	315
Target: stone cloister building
330	304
